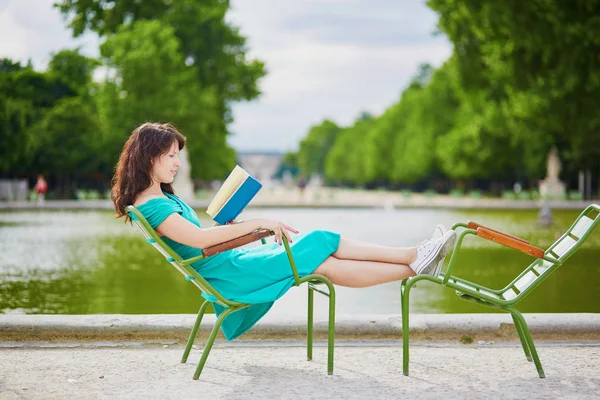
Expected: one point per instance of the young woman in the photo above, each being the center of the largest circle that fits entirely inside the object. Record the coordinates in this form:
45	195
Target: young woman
259	275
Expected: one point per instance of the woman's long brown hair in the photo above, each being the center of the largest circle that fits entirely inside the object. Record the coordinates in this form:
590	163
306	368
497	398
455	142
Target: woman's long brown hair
132	173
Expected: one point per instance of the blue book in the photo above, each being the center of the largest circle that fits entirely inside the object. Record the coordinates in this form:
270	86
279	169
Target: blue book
234	195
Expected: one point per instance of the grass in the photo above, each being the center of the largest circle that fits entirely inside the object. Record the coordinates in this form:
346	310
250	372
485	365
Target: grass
466	339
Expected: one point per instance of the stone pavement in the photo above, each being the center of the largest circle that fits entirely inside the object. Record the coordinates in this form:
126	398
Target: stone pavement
279	370
459	356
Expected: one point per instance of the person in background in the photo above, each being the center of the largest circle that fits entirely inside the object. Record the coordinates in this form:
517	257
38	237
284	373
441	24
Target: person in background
40	188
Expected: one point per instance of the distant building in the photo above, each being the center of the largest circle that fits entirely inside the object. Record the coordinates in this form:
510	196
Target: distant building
261	165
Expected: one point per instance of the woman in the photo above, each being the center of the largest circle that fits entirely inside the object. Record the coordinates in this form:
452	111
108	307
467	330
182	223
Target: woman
40	188
258	276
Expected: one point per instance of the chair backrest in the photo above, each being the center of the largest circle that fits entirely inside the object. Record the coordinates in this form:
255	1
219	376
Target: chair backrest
561	250
183	266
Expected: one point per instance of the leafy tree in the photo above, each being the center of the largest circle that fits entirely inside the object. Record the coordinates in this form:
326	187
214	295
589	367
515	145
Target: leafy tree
25	95
209	46
74	69
315	146
8	65
345	162
68	139
537	61
149	52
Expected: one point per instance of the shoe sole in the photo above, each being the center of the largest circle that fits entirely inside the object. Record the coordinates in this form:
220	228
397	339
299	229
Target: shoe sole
441	229
446	249
438	256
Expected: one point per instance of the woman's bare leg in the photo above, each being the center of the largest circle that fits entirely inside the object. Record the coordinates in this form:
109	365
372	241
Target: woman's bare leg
349	249
357	274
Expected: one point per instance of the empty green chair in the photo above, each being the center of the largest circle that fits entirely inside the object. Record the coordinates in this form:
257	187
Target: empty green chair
209	292
506	299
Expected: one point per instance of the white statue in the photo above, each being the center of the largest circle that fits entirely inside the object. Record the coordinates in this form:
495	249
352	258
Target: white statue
551	188
553	165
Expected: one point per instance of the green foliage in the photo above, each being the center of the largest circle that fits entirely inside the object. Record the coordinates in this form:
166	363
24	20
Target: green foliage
73	68
149	51
25	96
66	136
345	162
204	55
315	146
537	62
523	78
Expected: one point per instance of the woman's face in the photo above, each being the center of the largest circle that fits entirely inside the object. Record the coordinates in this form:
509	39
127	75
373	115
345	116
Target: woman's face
165	167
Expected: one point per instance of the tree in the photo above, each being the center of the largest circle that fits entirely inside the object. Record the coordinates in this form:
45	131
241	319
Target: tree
25	95
68	139
345	162
537	61
74	69
209	45
315	146
149	52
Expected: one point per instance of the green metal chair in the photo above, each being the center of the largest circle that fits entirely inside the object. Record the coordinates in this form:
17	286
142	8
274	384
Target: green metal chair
184	266
505	299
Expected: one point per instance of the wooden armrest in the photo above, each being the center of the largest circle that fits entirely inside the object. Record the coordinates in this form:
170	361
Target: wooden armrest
475	225
510	241
237	242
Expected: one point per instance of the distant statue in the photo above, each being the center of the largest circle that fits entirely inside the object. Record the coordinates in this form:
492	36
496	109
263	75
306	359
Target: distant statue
553	165
551	188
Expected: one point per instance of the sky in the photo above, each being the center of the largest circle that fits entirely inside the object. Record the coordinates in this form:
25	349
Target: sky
324	58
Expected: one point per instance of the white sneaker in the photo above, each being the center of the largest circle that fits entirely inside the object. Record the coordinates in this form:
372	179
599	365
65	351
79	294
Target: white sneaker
438	232
432	253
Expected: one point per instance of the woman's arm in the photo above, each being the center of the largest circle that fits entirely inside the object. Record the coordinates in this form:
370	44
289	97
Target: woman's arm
177	228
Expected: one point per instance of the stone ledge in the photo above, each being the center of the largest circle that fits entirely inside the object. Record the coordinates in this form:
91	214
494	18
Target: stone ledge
178	326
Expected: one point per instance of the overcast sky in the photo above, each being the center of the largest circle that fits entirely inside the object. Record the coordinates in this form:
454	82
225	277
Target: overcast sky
325	58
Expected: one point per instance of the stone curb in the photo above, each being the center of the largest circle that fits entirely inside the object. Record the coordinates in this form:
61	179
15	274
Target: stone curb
442	203
273	326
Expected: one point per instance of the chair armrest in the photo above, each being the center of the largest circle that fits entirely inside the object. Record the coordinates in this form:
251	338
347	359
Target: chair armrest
237	242
493	236
475	225
510	241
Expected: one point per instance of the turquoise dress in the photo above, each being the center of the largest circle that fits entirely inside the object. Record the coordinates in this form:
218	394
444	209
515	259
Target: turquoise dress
258	275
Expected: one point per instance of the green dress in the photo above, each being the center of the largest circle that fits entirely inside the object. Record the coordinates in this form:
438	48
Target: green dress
258	275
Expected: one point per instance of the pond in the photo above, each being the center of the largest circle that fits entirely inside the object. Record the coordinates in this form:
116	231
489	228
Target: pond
87	262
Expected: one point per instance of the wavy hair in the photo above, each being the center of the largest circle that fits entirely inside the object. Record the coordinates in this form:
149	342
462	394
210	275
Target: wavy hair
132	173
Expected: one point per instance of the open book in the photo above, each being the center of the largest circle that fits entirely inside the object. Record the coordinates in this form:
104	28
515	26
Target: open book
233	196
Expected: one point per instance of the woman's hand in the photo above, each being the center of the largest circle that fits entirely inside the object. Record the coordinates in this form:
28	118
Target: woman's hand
279	229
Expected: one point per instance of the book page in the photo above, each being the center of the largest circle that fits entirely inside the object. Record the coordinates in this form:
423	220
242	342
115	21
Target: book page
229	187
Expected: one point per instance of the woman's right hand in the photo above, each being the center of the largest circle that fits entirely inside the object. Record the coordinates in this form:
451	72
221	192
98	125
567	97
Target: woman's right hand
279	228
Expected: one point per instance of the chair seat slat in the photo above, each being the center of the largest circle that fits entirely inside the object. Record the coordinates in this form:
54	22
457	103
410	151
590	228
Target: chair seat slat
563	247
582	226
526	280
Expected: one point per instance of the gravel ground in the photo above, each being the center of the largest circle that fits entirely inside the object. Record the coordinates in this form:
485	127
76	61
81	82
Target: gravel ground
279	370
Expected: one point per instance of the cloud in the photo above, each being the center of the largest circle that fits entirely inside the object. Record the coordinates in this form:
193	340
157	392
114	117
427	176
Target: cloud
33	29
329	59
325	58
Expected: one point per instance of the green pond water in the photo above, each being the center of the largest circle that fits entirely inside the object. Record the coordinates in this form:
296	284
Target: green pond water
87	262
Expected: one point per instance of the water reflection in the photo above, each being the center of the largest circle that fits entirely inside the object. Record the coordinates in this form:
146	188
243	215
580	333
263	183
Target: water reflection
89	263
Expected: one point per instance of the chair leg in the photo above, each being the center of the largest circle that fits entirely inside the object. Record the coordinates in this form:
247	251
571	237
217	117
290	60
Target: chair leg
192	337
331	335
529	340
309	336
522	337
211	339
404	293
